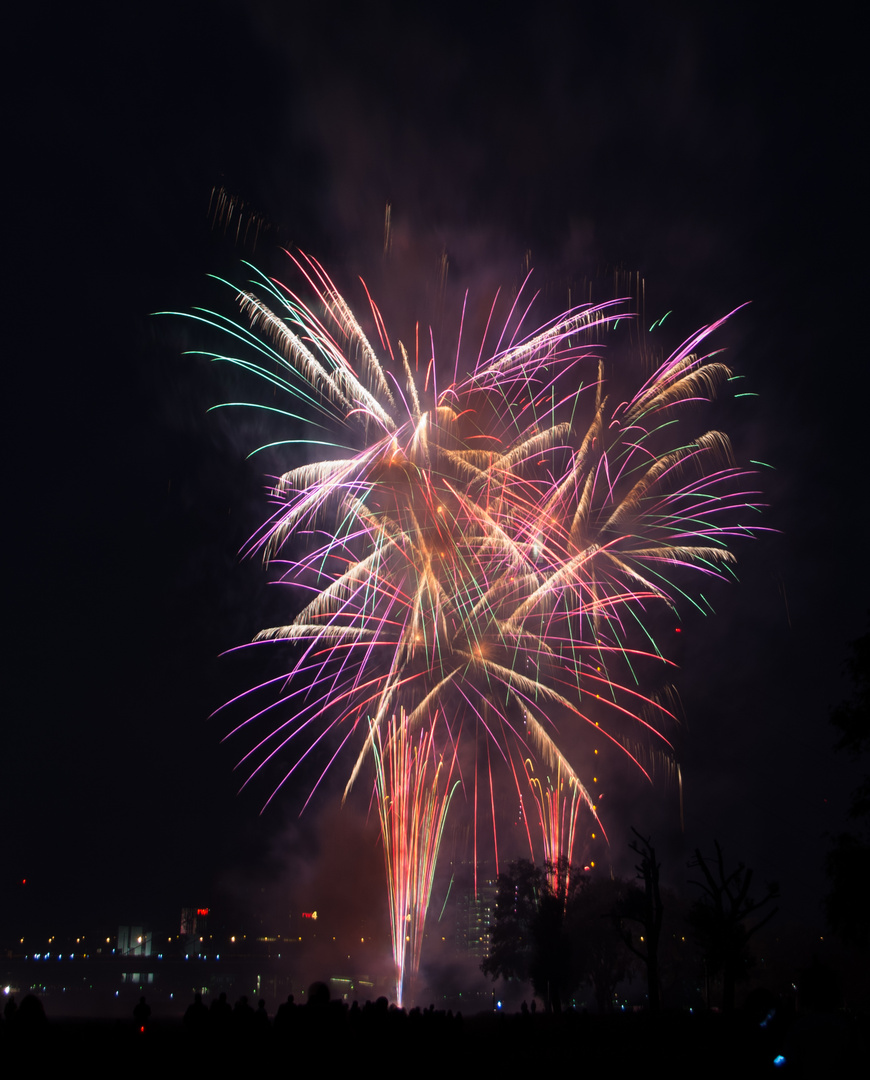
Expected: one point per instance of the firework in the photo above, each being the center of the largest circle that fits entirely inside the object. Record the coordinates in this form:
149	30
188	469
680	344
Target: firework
558	800
414	786
474	553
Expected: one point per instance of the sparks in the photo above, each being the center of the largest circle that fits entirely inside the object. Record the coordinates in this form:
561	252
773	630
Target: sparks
479	560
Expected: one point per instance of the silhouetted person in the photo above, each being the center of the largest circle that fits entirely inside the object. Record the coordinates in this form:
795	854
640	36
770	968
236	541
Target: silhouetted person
285	1016
220	1013
318	995
142	1014
261	1024
29	1018
243	1017
317	1014
196	1016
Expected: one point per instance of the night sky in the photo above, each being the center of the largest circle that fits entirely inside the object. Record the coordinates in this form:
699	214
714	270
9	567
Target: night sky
713	154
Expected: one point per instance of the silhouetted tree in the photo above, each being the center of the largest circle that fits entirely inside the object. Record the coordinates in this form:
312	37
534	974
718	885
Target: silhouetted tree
597	939
531	940
644	908
719	919
847	905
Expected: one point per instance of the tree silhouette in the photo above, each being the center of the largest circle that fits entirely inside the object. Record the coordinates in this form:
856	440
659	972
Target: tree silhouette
644	907
719	918
598	939
531	939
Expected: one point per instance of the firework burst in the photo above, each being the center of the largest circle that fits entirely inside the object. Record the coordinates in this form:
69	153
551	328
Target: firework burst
473	552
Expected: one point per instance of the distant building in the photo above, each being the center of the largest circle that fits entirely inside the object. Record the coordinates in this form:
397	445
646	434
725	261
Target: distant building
474	918
134	941
194	922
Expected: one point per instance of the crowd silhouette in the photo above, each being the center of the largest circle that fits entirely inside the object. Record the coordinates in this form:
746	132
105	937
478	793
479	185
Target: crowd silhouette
325	1031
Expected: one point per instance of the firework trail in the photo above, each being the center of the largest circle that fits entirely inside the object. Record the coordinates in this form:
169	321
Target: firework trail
473	551
414	788
558	800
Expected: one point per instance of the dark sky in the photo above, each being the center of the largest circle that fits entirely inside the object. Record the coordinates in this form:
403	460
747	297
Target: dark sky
712	153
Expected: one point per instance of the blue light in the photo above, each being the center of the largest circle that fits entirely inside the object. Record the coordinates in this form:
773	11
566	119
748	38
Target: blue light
779	1060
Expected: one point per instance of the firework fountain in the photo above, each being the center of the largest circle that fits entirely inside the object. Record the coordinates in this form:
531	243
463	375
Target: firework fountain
479	560
558	801
414	787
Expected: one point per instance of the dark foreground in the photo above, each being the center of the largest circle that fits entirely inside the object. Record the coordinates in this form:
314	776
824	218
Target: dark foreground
335	1037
